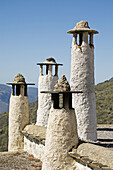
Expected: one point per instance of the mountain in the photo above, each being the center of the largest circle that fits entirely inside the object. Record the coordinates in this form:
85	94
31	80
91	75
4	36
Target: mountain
32	94
5	92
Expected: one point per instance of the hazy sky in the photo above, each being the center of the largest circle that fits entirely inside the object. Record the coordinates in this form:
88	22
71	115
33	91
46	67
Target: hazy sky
33	30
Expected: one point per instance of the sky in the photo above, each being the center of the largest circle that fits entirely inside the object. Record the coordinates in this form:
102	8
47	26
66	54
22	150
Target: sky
33	30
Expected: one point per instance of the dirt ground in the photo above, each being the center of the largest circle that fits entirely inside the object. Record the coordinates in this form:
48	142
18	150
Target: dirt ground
21	161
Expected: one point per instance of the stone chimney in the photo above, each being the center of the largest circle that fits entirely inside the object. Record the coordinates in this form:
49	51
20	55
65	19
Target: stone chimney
61	133
46	82
18	113
82	78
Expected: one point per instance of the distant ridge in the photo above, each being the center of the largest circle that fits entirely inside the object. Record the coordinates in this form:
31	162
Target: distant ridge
5	92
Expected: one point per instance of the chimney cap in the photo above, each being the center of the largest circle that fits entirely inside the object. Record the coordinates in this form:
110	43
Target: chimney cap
82	26
19	79
49	61
62	85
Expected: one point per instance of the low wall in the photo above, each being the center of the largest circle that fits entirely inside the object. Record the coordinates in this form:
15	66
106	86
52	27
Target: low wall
37	150
87	156
90	156
97	153
34	140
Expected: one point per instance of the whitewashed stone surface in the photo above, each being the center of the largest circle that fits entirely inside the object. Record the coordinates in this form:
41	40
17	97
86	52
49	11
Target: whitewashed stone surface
46	83
37	150
82	78
18	119
81	167
96	153
61	136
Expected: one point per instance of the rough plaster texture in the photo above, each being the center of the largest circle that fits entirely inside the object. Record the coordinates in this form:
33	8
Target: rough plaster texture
46	83
37	150
61	136
18	119
96	153
82	79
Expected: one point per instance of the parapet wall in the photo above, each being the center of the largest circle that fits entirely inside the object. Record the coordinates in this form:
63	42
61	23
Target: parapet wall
34	140
97	153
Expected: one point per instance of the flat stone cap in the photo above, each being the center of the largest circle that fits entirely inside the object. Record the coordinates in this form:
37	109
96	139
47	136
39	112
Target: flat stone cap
19	79
62	85
82	26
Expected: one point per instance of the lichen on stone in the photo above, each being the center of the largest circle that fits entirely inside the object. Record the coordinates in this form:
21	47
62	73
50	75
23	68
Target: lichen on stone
62	85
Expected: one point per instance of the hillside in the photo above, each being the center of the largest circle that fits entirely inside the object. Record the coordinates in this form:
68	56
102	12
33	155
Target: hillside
104	101
5	92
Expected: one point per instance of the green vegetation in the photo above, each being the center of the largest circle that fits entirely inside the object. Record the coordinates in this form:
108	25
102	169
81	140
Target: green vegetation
3	131
104	102
33	111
